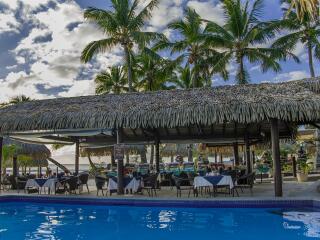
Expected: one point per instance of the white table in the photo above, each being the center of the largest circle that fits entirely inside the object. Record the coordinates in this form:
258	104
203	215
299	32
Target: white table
49	184
133	185
209	181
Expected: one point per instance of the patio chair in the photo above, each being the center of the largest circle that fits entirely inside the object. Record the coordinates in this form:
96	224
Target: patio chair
150	184
71	185
183	184
83	178
5	183
100	182
21	183
246	181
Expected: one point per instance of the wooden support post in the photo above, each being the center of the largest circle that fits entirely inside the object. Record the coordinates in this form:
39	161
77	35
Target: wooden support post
221	158
15	170
236	153
294	166
152	154
276	158
247	153
120	189
113	162
253	157
190	154
1	145
157	156
215	157
77	155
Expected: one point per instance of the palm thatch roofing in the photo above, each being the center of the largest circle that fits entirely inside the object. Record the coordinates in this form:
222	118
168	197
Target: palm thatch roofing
107	151
38	153
35	151
224	112
169	150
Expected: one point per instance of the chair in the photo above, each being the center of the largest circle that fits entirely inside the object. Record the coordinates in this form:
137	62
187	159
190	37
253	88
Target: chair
100	182
150	184
71	184
83	178
5	183
246	181
183	184
21	183
13	182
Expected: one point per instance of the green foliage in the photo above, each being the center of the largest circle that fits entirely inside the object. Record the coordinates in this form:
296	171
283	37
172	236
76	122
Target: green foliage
123	25
305	31
112	81
240	39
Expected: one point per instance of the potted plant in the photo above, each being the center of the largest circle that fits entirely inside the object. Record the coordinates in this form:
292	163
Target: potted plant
303	169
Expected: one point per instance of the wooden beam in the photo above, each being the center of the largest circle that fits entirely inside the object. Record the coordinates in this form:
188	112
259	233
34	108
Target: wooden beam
120	187
236	153
15	169
157	145
276	157
178	131
134	132
77	155
247	152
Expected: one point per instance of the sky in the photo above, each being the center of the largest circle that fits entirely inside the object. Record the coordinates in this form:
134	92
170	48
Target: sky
41	42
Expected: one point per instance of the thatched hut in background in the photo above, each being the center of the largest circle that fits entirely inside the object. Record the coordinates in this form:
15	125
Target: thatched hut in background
108	151
172	150
27	154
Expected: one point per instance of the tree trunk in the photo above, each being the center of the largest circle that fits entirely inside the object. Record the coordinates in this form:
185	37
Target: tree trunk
241	75
128	60
310	60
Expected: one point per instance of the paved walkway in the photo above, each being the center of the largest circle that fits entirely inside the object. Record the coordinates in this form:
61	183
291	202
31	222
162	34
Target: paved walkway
291	189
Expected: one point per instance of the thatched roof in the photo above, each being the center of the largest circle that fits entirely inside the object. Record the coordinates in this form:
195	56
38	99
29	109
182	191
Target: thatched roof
36	151
174	149
296	101
106	151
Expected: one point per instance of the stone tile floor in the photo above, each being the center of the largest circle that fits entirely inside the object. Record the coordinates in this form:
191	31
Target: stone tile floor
265	190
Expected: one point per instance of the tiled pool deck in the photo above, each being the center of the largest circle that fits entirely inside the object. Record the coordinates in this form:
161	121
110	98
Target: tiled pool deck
200	203
295	195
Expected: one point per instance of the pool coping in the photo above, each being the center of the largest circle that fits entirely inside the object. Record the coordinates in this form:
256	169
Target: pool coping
138	202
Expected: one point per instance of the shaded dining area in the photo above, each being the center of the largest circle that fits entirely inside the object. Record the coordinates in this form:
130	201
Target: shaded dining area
220	116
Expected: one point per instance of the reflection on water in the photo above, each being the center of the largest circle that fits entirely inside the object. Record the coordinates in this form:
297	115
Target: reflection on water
309	222
55	222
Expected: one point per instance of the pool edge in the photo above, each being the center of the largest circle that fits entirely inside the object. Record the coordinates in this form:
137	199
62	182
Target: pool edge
210	203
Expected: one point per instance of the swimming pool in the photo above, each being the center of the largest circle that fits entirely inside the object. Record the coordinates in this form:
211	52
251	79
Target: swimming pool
42	219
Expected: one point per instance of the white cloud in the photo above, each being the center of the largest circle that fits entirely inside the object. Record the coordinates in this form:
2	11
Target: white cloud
208	10
290	76
8	22
55	61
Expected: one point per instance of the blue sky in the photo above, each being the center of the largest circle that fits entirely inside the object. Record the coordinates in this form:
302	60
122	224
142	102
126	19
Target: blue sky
41	41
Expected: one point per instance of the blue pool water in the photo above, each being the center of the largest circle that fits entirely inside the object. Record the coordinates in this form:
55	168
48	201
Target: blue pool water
21	220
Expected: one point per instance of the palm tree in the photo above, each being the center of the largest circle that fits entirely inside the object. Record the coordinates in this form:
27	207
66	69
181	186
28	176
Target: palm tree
240	37
192	46
306	32
19	99
154	72
303	8
112	81
184	80
123	26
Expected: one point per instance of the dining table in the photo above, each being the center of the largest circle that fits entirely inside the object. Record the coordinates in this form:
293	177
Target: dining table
131	184
42	184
